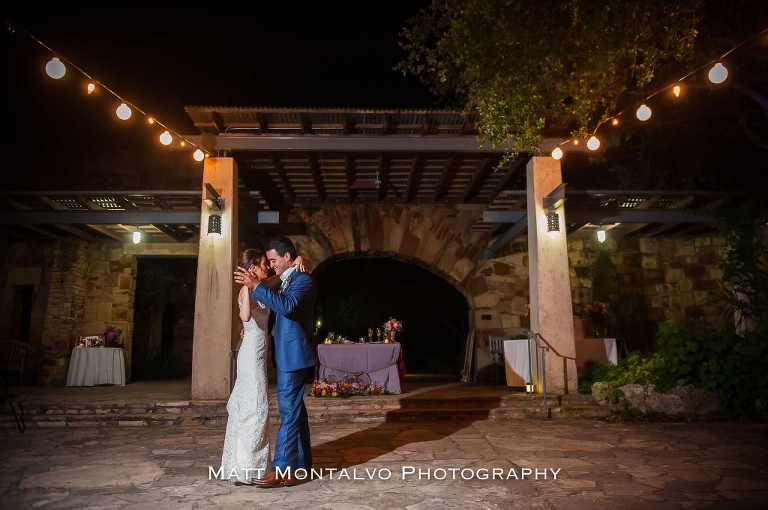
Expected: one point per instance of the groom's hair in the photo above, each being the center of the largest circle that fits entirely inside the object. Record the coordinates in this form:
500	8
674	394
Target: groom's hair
282	245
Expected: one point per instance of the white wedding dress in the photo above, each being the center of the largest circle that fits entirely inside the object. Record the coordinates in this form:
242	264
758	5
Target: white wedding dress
246	442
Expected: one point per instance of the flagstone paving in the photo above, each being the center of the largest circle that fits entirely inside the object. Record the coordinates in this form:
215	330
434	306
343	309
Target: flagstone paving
557	464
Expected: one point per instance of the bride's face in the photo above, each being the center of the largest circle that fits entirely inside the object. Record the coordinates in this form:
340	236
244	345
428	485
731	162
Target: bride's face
261	270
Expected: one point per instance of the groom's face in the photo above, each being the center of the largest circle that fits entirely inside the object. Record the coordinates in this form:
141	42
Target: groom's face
278	263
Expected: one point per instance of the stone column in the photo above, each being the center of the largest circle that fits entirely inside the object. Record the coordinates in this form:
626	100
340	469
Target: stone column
215	295
550	288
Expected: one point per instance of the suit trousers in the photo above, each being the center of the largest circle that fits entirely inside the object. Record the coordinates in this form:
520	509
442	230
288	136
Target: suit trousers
293	447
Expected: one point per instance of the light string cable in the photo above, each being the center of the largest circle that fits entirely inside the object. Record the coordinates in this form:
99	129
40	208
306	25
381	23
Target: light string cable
708	64
151	119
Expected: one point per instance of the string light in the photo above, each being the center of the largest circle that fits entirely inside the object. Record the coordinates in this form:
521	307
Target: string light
717	73
123	112
643	113
593	143
56	68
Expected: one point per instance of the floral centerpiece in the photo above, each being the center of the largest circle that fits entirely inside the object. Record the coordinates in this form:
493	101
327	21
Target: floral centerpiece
391	327
346	387
112	337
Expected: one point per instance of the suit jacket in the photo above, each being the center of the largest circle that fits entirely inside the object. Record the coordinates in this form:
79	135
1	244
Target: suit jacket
294	320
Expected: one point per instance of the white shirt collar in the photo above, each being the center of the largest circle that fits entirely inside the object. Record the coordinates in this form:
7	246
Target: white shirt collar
287	273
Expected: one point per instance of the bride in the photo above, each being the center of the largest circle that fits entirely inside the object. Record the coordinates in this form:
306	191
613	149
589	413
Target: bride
246	442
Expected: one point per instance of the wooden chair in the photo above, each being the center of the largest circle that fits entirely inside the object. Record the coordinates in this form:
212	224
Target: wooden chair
17	356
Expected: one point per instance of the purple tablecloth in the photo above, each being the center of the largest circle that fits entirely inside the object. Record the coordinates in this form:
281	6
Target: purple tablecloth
382	363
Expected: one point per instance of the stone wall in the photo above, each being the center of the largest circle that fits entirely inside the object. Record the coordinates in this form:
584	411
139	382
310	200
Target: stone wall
78	290
81	288
645	280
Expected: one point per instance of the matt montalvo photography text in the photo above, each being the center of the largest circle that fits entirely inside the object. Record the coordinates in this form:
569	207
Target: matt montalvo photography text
405	473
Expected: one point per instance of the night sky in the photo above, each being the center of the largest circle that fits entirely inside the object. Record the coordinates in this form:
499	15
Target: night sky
330	54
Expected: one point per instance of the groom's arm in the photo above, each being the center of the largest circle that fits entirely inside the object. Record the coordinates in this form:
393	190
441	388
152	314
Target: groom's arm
299	292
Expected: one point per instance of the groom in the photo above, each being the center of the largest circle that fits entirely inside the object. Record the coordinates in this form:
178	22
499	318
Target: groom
293	305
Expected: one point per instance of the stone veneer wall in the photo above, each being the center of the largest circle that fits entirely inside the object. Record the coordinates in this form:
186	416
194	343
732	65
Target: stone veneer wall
648	280
79	290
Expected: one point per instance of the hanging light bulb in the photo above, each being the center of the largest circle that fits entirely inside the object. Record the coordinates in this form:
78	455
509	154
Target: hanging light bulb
123	112
718	73
615	122
198	155
676	90
557	153
166	138
643	113
137	236
593	143
90	88
55	68
150	120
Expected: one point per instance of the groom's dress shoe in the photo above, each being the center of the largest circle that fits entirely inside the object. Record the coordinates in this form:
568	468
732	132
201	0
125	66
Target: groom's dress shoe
271	480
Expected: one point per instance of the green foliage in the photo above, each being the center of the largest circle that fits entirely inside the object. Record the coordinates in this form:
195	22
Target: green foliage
745	275
693	353
529	66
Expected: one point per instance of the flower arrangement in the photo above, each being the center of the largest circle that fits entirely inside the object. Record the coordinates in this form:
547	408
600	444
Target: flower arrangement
393	325
346	387
112	336
598	309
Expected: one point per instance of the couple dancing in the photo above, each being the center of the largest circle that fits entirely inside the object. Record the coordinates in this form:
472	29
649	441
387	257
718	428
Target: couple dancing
290	294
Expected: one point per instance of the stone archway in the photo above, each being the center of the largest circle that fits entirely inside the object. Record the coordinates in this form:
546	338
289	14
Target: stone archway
358	291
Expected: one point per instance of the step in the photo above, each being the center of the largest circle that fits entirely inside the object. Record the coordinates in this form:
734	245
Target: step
374	409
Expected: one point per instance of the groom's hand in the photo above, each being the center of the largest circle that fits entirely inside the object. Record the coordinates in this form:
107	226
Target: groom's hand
244	277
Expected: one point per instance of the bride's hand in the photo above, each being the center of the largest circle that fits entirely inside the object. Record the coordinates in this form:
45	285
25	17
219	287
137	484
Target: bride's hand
299	264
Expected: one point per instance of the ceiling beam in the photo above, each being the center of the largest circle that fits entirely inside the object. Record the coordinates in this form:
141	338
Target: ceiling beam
98	217
336	143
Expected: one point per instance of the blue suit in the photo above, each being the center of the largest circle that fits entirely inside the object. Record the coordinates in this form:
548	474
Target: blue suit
294	321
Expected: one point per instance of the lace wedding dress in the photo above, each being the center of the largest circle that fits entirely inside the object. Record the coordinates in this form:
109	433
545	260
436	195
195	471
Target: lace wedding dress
246	442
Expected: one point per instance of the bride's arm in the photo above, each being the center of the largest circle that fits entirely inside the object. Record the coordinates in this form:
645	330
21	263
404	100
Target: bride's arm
274	280
244	302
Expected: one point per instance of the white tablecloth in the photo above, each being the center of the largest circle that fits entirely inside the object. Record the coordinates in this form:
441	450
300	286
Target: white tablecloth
91	366
516	362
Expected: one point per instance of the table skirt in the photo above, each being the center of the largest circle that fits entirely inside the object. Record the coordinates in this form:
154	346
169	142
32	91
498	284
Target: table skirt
91	366
382	364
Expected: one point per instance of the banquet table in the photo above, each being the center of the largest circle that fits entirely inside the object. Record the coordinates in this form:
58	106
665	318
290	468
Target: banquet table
91	366
381	363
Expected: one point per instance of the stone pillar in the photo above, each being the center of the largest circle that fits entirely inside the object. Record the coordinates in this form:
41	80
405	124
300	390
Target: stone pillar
215	295
550	289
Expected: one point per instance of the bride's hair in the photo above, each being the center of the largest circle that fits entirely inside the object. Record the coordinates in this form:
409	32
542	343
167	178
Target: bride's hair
250	257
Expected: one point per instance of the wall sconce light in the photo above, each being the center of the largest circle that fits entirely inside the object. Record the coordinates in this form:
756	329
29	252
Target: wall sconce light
214	224
555	199
553	222
601	235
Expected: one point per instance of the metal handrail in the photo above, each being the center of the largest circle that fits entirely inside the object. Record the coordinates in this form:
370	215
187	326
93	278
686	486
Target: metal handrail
543	349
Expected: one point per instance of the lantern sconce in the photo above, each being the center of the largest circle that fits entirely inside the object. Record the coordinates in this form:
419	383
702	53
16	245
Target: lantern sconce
551	202
214	224
216	204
